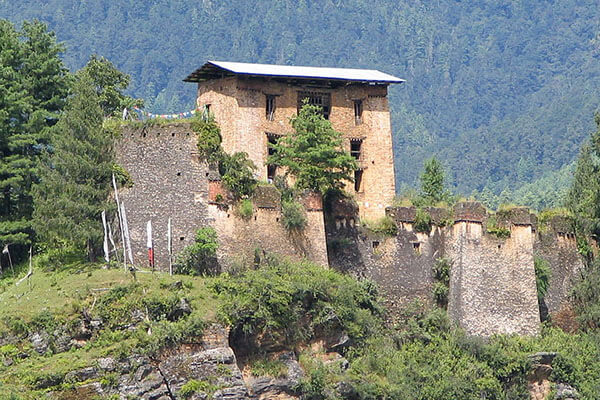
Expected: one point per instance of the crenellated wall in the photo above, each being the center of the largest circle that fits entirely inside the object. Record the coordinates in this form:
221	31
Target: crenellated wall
492	285
492	281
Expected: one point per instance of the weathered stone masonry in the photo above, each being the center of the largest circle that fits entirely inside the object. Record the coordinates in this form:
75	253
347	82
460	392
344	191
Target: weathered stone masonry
170	181
492	286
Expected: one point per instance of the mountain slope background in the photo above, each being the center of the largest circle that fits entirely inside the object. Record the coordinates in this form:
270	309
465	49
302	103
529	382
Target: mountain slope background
502	92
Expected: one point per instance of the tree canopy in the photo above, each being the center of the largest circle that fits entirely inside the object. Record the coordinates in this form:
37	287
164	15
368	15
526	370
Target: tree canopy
33	88
313	155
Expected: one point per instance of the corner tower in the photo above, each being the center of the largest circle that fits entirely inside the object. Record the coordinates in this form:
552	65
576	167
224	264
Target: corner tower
253	104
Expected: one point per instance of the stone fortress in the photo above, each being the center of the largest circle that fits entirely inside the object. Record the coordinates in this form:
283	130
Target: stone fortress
492	281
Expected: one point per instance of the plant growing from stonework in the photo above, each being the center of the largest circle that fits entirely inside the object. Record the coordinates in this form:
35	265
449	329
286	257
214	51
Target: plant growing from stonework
441	286
423	221
313	155
246	208
542	276
293	216
236	170
199	257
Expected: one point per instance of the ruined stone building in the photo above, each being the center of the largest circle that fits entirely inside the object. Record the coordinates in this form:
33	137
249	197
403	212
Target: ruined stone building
253	104
492	286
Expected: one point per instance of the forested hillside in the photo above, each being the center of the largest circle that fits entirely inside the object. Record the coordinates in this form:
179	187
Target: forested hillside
502	92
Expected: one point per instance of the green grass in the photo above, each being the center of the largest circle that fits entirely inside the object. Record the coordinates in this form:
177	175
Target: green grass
58	297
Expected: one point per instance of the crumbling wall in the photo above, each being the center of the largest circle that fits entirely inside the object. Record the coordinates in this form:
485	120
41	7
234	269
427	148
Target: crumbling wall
492	285
556	244
492	282
168	182
244	239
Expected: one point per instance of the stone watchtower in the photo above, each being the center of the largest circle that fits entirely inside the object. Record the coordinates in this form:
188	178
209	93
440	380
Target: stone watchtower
253	104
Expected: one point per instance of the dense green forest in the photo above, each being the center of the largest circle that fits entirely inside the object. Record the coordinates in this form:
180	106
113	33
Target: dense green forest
502	92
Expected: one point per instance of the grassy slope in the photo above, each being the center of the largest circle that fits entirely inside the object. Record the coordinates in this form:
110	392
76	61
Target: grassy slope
65	294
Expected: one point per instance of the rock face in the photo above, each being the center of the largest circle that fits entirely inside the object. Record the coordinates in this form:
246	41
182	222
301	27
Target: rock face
539	379
211	364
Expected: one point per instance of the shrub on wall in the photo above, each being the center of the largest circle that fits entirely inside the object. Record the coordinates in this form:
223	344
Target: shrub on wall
422	221
198	258
441	287
209	139
293	217
246	209
493	228
385	225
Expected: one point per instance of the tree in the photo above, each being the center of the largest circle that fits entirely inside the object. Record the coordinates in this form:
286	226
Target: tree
313	155
33	87
110	83
583	199
75	177
432	182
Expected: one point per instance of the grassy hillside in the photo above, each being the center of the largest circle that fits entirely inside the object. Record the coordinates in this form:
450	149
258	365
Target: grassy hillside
279	307
502	93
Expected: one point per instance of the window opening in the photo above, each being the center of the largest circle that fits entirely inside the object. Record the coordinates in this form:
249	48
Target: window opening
271	169
322	100
417	247
270	108
355	148
375	244
358	180
358	109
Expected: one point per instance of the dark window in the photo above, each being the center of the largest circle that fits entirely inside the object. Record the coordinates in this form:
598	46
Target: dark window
355	148
375	244
322	100
271	169
271	172
417	247
358	109
358	180
270	109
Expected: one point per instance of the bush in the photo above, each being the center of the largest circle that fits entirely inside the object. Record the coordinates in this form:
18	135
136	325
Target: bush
209	138
246	209
422	221
542	276
293	217
198	258
237	174
289	302
385	226
493	228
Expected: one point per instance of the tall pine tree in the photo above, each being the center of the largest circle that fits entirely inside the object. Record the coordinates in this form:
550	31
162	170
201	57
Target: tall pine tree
33	88
75	179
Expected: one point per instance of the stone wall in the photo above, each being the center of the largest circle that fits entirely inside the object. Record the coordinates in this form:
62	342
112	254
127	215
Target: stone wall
242	239
171	182
239	106
556	244
492	281
492	286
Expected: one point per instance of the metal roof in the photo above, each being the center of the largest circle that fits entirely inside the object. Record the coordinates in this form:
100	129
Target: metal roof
217	69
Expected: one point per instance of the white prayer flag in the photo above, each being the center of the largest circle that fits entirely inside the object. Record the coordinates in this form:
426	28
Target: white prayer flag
105	242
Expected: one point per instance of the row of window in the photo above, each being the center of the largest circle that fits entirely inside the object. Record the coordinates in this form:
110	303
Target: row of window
323	100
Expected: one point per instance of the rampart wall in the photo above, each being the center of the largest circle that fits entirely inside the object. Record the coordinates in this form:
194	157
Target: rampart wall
492	286
170	181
